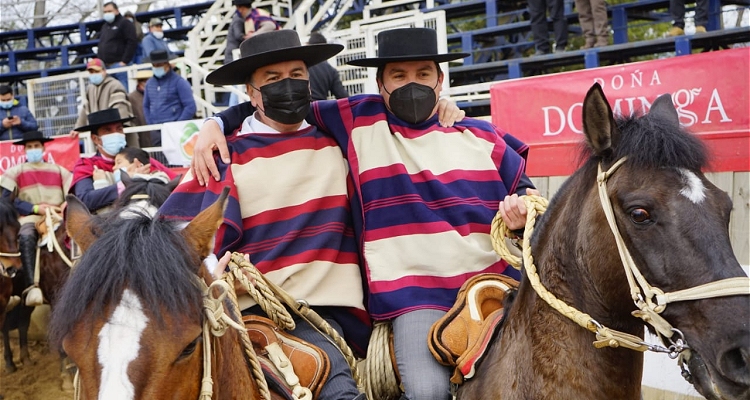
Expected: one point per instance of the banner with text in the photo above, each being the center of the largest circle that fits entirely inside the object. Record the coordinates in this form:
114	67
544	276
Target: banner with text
63	151
710	91
178	140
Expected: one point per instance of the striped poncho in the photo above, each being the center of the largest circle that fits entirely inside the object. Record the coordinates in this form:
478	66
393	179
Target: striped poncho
289	211
36	183
424	200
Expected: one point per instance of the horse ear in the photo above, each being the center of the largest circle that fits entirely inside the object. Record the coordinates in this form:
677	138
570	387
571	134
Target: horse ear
79	222
200	232
174	182
664	108
125	178
598	122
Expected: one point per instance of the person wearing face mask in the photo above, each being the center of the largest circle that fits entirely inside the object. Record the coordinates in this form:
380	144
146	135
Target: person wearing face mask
289	209
154	40
35	186
168	97
16	119
118	41
104	92
426	195
106	127
136	102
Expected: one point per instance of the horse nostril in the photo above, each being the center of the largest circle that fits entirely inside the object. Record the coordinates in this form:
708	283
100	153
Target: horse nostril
735	364
11	272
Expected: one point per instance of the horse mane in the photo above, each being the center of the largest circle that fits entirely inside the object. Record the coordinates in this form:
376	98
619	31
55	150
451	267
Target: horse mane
156	190
8	213
148	256
651	141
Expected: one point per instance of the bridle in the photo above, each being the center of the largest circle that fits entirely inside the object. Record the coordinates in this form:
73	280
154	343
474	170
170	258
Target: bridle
650	300
3	267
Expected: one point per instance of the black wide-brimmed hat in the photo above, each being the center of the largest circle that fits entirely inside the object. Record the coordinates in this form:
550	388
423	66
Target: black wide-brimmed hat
159	56
103	117
32	136
406	44
270	48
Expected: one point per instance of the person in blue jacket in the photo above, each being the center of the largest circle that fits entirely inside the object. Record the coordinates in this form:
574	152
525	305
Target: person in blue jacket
168	97
154	40
16	119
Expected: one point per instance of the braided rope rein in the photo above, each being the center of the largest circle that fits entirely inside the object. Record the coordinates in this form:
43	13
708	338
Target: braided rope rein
270	297
379	378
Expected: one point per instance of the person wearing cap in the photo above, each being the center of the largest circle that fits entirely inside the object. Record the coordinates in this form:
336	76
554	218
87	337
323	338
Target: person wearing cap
246	22
136	102
168	97
16	118
324	78
35	186
118	41
289	200
154	40
103	92
106	127
426	195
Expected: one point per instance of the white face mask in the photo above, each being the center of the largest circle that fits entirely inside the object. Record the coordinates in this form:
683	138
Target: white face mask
109	17
158	34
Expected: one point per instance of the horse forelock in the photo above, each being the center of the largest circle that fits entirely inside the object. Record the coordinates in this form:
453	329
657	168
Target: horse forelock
8	214
149	257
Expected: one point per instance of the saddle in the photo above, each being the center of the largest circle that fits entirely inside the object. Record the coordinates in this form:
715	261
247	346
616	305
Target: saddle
293	367
460	338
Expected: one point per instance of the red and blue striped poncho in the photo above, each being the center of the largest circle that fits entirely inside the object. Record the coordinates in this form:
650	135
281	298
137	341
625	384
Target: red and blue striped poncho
289	211
424	200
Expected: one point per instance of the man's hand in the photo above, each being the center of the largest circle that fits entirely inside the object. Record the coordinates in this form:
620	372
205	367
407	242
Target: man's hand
449	113
210	138
15	120
43	209
99	174
7	122
73	133
513	210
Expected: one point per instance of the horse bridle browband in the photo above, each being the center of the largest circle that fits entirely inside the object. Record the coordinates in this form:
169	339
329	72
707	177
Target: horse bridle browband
3	268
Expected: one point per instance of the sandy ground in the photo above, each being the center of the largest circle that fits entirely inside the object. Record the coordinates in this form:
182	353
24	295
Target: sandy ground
41	380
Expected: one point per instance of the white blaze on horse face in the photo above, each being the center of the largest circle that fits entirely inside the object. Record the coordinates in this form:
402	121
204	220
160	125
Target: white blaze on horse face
119	344
694	189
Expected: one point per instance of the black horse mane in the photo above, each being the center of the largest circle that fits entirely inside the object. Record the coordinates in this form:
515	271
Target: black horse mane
8	213
156	190
149	257
651	141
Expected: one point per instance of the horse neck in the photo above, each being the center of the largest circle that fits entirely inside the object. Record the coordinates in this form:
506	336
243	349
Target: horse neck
230	370
53	270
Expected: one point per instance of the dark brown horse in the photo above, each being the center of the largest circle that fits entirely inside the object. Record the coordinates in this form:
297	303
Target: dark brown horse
674	223
131	314
10	260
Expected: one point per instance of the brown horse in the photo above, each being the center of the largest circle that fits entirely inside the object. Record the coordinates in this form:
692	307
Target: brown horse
10	260
131	314
674	223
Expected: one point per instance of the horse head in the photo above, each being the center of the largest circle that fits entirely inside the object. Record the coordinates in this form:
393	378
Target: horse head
673	222
144	193
130	315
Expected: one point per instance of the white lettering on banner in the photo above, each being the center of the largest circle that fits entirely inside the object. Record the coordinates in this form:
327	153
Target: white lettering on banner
636	77
636	80
8	162
644	107
719	107
683	98
563	120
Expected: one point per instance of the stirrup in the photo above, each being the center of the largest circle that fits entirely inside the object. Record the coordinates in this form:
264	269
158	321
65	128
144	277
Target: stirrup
34	296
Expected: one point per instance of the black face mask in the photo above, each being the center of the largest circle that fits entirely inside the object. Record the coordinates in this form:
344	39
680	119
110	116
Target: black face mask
413	102
286	101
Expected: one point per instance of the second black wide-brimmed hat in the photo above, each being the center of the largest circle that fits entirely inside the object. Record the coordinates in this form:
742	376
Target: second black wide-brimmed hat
270	48
407	44
159	56
103	117
32	136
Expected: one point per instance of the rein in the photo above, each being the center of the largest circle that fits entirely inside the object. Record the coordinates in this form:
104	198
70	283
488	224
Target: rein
51	218
649	300
3	268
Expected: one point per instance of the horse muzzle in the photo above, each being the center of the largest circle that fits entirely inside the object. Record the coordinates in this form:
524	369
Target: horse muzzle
734	375
9	272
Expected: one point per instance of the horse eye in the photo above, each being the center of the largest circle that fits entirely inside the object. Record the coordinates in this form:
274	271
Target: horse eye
640	216
189	349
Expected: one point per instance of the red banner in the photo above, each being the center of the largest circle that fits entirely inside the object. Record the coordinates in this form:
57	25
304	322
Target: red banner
63	151
710	92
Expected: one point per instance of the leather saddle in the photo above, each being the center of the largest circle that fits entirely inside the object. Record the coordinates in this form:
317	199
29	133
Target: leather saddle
294	368
460	338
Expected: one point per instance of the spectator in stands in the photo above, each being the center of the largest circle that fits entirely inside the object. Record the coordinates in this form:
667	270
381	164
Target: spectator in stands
36	186
106	128
138	35
677	9
154	40
104	92
246	22
324	78
136	103
423	233
16	119
168	97
129	159
539	27
117	41
592	15
323	271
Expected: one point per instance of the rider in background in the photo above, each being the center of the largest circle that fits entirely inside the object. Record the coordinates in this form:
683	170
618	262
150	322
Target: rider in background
35	186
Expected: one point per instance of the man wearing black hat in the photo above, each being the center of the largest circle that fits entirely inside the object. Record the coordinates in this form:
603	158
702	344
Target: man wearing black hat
426	196
168	97
36	186
106	128
289	204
